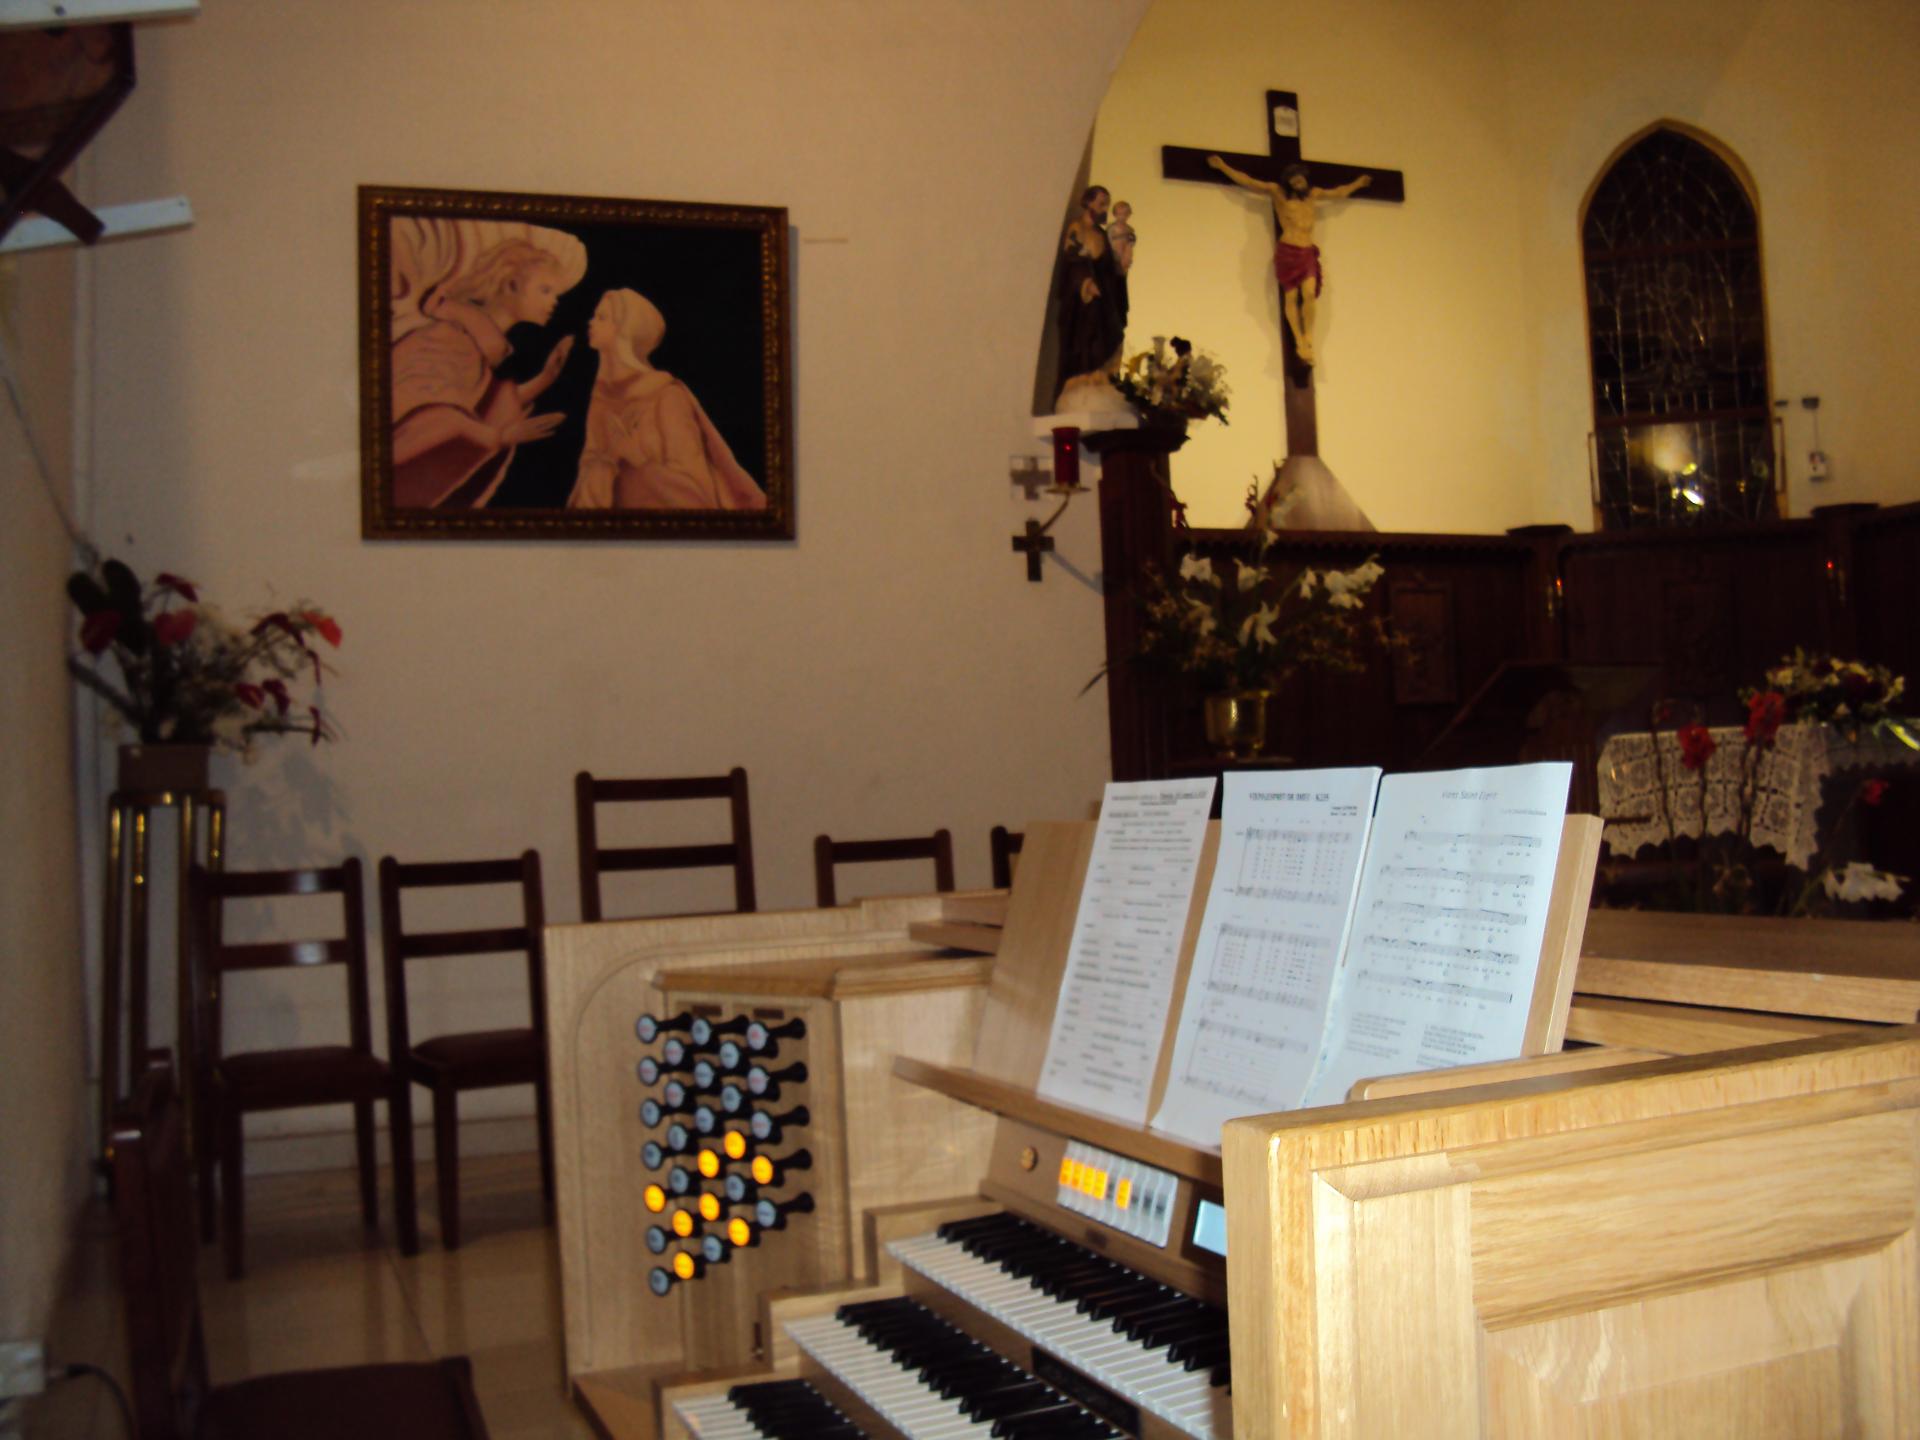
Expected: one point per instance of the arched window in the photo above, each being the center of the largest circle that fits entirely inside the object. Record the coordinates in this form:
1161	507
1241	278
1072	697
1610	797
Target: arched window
1676	320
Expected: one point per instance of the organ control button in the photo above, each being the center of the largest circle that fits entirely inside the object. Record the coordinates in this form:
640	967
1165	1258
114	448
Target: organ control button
706	1119
687	1265
652	1111
651	1027
704	1030
683	1223
715	1250
730	1058
770	1173
767	1128
772	1214
759	1036
739	1190
652	1155
650	1070
709	1206
660	1280
673	1054
708	1163
679	1181
764	1084
704	1076
732	1098
734	1144
658	1239
654	1197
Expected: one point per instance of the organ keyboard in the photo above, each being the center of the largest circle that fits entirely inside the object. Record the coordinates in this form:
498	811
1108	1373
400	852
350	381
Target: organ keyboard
1535	1250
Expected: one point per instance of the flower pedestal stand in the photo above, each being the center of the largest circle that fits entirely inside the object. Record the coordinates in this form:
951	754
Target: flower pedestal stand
150	778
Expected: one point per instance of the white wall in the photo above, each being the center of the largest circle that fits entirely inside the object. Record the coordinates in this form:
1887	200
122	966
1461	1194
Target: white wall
890	672
1453	388
44	1126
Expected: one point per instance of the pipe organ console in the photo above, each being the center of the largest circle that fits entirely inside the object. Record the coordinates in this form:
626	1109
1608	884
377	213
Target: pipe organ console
880	1228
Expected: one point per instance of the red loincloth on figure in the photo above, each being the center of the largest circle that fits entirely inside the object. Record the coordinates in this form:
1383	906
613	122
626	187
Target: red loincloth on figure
1294	265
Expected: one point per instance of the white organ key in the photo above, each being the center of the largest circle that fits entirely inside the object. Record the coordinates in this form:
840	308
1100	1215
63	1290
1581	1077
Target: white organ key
897	1394
714	1417
1183	1398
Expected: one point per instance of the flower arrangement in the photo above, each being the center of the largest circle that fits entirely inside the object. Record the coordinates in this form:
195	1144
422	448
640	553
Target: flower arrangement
1250	624
1175	380
187	675
1849	694
1808	688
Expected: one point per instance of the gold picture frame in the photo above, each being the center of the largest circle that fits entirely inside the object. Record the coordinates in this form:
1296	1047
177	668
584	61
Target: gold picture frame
540	367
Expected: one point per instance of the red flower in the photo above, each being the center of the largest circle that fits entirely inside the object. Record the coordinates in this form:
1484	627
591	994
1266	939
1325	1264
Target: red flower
183	588
1696	746
278	690
328	627
98	629
250	694
276	621
1872	792
1766	712
174	627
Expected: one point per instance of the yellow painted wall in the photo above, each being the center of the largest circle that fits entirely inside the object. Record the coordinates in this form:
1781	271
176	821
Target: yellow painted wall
890	672
43	1120
1454	383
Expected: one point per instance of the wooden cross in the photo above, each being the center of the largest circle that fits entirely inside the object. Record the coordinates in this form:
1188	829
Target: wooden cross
1180	162
1035	543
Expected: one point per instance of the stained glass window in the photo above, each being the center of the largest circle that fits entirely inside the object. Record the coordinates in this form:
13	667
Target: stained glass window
1677	323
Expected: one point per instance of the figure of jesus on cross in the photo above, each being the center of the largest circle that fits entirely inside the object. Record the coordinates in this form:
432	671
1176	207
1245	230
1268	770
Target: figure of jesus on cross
1296	259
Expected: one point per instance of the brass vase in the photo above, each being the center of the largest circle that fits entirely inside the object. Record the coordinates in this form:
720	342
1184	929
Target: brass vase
1237	723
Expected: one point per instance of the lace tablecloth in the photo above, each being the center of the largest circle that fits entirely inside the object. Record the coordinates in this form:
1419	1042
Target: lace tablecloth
1786	794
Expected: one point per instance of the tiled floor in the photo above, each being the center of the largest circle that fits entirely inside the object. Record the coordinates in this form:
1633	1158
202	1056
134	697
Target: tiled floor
320	1290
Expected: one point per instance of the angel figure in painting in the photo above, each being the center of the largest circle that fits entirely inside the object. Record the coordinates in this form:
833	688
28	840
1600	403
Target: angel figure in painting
1296	259
458	287
650	445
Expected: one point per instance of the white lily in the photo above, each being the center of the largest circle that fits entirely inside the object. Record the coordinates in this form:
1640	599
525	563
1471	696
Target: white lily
1307	581
1201	616
1259	625
1860	881
1198	567
1251	577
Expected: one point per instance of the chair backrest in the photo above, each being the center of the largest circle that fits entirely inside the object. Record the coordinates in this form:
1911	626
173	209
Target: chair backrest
153	1205
828	852
399	945
207	893
596	861
1004	845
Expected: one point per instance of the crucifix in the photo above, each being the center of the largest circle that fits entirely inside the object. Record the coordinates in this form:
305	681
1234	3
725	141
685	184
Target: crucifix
1322	177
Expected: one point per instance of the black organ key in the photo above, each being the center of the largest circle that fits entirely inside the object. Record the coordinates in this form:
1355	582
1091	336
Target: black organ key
792	1410
651	1027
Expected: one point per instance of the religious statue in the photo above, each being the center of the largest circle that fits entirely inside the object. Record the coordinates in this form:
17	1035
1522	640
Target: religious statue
1296	259
1121	234
1090	303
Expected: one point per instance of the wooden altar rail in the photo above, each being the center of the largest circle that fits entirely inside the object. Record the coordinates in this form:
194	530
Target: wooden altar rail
1714	607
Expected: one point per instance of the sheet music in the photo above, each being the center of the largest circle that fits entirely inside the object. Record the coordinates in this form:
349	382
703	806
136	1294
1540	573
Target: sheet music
1445	949
1254	1016
1106	1034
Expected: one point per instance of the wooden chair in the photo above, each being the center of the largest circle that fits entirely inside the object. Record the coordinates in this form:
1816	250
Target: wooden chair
828	852
1004	845
172	1399
279	1079
589	793
478	1060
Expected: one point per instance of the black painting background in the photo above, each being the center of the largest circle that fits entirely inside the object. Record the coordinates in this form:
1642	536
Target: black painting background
706	281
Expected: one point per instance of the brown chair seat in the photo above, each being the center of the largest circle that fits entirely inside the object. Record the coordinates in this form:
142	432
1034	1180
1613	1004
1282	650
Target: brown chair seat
420	1402
312	1075
483	1050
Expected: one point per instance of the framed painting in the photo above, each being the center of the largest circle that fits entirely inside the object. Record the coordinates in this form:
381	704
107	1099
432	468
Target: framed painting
557	367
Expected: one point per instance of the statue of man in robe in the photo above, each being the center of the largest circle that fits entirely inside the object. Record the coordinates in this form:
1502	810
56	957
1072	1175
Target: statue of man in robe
1296	259
1090	306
